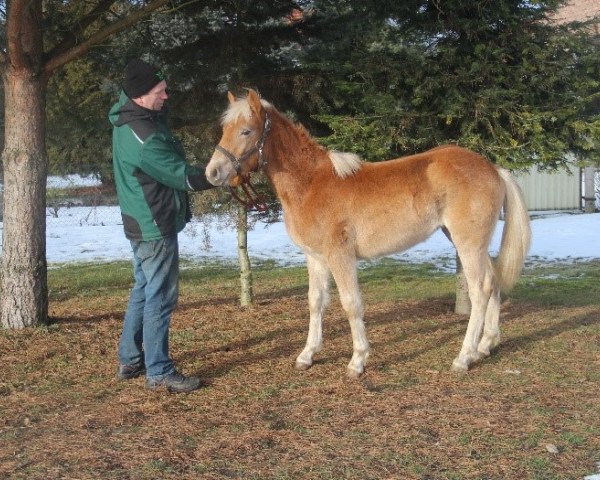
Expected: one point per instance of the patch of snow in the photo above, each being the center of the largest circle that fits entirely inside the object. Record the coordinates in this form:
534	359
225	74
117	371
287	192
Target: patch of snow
96	234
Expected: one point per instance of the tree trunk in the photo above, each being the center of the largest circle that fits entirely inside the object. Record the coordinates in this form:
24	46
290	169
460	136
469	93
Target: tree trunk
24	284
463	303
246	295
24	300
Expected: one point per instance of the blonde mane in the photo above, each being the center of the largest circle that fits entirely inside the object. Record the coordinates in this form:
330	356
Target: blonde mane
345	163
240	108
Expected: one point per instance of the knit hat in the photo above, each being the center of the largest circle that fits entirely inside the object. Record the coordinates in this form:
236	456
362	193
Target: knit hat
140	78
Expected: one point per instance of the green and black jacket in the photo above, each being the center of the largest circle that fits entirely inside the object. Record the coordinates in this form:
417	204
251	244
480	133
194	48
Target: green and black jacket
151	174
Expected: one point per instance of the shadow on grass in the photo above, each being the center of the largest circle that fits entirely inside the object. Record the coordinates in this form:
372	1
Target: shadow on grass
443	326
82	320
118	315
568	324
290	339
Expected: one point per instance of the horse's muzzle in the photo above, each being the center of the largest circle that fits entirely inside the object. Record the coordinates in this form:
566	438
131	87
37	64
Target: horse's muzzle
215	175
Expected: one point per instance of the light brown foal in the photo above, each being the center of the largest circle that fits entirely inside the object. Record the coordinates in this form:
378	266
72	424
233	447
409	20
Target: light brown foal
339	210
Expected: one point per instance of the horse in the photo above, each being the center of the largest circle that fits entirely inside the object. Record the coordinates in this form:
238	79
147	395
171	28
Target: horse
339	209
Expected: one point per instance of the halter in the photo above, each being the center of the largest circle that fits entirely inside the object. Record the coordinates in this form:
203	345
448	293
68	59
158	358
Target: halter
257	147
253	198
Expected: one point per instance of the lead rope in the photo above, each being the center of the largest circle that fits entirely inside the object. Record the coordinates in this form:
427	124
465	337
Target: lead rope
253	200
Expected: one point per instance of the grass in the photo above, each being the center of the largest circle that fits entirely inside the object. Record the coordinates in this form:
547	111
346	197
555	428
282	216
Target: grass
560	285
64	415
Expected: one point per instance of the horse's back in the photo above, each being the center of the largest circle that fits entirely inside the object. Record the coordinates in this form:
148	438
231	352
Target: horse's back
463	172
389	206
403	201
449	160
442	174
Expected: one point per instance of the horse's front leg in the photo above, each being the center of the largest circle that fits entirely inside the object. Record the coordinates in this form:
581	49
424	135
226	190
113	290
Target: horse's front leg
318	298
346	279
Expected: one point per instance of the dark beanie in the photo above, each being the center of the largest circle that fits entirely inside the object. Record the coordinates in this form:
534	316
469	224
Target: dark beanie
140	78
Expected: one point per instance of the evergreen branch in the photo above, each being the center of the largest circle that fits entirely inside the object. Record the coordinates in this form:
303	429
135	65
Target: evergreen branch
74	35
78	51
183	5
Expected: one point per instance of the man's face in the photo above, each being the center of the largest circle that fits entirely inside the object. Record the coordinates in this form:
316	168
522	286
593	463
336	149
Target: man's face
155	98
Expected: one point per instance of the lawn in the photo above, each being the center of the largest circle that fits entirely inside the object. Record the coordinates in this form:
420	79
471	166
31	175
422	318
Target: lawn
530	411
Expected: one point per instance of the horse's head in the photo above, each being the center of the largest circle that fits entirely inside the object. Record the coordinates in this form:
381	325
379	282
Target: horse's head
246	125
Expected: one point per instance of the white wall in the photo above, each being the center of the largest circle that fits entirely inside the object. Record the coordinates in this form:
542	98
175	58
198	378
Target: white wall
551	191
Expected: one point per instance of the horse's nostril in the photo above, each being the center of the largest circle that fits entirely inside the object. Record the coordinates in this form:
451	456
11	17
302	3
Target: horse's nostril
212	174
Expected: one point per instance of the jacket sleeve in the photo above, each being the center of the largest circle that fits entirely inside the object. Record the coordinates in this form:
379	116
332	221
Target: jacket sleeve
164	163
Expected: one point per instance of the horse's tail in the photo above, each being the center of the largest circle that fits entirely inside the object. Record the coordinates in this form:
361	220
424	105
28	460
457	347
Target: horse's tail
516	236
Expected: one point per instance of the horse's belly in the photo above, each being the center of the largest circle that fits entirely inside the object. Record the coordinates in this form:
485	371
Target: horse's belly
365	238
378	244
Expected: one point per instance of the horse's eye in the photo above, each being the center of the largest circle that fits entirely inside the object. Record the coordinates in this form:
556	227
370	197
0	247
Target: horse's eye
245	132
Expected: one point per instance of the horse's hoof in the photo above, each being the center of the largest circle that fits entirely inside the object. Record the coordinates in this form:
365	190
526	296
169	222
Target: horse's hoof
301	366
459	366
486	346
353	374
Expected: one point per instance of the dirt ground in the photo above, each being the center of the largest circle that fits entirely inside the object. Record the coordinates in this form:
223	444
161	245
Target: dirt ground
531	411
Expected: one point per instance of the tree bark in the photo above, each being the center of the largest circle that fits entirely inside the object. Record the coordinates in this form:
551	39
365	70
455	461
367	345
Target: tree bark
246	281
24	300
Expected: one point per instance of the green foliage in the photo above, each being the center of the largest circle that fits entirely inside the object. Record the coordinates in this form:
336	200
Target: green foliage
78	132
498	78
363	135
80	94
379	78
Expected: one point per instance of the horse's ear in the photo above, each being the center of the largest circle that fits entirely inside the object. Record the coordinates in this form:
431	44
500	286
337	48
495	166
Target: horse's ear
254	102
231	97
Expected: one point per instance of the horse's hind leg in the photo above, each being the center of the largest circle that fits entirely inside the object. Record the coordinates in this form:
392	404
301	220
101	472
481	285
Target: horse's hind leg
318	297
482	287
491	330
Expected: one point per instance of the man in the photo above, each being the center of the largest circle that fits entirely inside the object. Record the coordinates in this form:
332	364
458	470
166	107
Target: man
152	179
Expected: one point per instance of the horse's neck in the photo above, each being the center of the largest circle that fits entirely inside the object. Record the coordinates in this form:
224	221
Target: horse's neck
292	159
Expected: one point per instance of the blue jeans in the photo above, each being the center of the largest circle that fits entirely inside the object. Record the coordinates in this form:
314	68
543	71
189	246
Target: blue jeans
145	335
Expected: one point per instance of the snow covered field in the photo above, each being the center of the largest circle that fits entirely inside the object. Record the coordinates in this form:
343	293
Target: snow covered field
96	234
86	234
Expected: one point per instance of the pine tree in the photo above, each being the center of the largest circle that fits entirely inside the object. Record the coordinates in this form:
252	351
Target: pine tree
497	77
